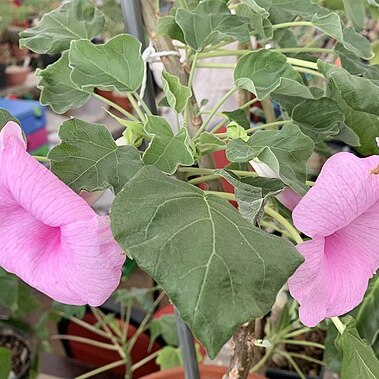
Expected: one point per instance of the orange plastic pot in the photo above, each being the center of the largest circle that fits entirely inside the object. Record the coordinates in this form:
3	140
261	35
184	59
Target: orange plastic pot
206	372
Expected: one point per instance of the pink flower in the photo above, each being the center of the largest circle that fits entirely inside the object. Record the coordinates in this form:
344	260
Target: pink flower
49	236
341	214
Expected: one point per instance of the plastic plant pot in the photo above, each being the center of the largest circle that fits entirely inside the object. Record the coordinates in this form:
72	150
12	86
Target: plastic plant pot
206	372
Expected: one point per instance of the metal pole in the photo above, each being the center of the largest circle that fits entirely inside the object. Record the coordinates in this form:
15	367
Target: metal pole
131	13
187	347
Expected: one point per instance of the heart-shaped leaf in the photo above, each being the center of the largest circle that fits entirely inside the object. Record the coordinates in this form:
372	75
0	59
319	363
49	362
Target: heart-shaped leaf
210	22
197	272
57	89
73	20
318	118
116	65
263	71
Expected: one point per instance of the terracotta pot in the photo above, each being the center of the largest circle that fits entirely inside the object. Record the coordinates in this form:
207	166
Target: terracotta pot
18	53
16	75
206	372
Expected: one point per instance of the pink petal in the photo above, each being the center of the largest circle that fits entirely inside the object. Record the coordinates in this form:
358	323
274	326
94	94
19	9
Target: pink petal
49	236
344	189
334	277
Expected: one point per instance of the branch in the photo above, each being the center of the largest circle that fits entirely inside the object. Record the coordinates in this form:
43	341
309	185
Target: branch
172	64
242	352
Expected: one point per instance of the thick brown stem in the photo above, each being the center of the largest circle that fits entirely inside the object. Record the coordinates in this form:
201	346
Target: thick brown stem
242	352
172	64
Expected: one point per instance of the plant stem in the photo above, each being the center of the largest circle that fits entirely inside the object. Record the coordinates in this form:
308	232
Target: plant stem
84	325
306	358
142	102
292	363
116	106
338	324
290	24
145	360
102	369
86	341
286	224
41	159
190	85
214	110
303	343
216	65
203	179
297	332
136	107
302	63
205	171
250	102
224	195
262	361
227	52
309	71
143	324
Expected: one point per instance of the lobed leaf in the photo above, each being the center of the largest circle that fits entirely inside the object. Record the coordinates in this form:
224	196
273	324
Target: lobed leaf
89	160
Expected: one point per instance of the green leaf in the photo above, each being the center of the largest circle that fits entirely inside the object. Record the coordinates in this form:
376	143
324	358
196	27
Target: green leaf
197	272
116	65
73	20
355	12
354	65
234	131
358	358
373	2
133	134
177	94
168	27
252	4
5	362
360	94
367	315
5	116
209	23
57	89
27	301
69	310
357	43
263	71
318	118
169	357
88	159
166	150
365	125
132	296
252	193
209	143
257	22
285	151
9	290
347	135
326	20
239	117
164	326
